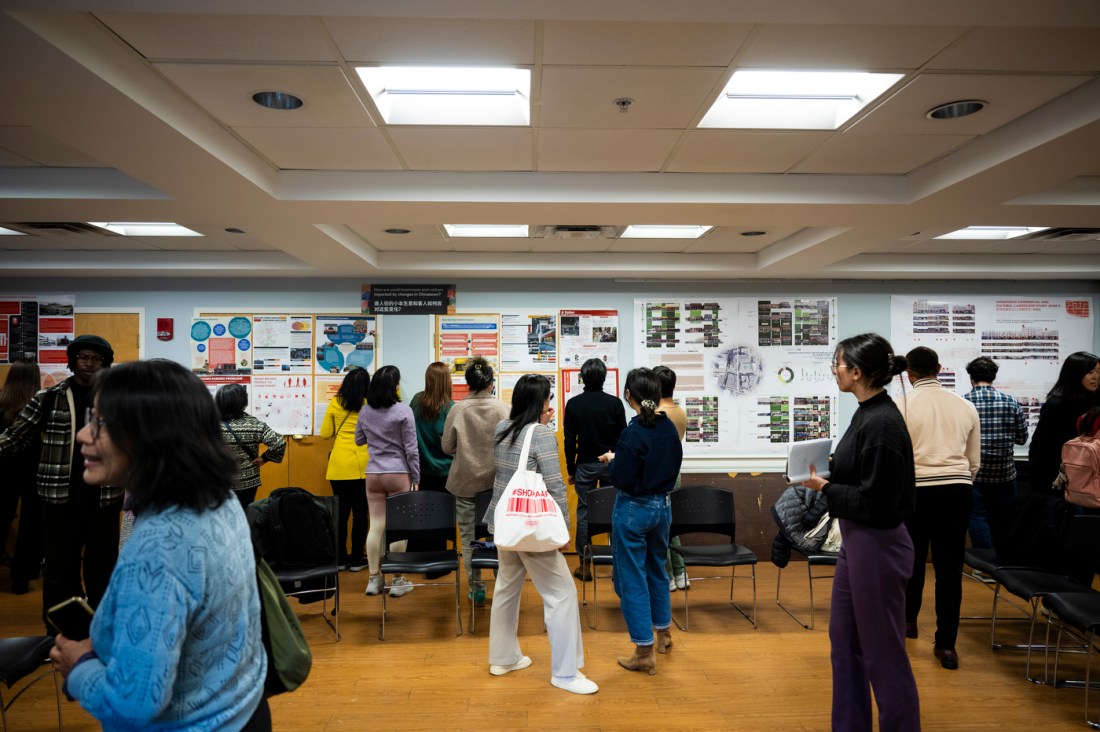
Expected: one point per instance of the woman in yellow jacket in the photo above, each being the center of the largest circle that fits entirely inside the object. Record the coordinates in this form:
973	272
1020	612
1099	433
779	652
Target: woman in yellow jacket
347	464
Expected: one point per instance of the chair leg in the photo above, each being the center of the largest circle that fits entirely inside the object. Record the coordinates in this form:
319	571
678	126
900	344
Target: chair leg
458	605
750	618
1094	723
382	625
809	574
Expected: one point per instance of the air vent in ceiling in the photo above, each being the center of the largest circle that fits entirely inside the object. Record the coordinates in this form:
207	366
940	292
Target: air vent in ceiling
1062	234
576	232
58	227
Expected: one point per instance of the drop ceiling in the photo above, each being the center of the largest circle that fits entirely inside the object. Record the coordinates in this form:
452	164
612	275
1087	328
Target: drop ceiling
115	112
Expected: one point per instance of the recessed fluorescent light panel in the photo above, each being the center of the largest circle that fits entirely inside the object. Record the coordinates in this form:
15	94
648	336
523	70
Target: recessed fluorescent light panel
144	228
795	100
412	95
642	231
10	232
486	231
992	232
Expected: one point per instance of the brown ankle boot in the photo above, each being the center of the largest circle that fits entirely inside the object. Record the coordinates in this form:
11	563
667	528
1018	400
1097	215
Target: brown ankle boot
642	660
664	640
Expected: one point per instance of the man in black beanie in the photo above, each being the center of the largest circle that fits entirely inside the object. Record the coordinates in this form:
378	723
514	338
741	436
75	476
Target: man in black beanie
81	522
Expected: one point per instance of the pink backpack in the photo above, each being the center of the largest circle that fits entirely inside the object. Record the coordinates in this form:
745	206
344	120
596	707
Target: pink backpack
1081	462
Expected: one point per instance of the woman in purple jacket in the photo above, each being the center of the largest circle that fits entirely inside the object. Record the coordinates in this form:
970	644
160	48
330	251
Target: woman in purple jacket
388	428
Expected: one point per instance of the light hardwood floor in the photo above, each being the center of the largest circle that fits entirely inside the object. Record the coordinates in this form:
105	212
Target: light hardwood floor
722	675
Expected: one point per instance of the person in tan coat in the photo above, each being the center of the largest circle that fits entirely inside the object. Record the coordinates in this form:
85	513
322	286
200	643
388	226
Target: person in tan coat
468	435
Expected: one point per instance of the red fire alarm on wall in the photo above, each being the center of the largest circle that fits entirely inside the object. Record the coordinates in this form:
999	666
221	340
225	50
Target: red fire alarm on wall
165	329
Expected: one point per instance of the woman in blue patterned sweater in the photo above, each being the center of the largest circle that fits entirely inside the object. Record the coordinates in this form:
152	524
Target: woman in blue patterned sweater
175	642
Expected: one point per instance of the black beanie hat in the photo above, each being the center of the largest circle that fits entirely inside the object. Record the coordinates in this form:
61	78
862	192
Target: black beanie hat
90	343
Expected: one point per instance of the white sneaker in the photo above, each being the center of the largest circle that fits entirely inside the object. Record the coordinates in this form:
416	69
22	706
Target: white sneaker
401	586
375	585
671	584
522	663
682	581
579	684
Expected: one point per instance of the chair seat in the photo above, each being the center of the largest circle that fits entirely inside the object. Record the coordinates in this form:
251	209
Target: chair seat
601	554
297	574
716	555
419	562
987	561
1079	609
1029	582
825	559
484	559
21	656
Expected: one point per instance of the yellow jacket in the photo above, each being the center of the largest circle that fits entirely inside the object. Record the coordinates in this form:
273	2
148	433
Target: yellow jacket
346	461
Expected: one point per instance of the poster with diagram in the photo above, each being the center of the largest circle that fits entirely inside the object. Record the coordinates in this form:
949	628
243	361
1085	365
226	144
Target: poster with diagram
506	383
213	383
458	338
324	389
344	342
282	344
221	345
284	401
40	328
752	373
529	341
571	385
585	334
1029	337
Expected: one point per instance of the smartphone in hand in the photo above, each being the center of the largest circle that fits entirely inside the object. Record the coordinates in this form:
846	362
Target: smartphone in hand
72	618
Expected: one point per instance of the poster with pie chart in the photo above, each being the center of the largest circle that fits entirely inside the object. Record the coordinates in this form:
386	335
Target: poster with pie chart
344	342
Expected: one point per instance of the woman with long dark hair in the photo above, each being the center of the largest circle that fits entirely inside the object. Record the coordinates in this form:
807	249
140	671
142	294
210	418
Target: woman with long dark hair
871	489
1072	395
175	641
644	468
347	464
20	471
388	427
244	434
531	410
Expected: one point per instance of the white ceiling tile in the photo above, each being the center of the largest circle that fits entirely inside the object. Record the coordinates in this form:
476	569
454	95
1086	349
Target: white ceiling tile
852	153
1023	49
200	37
641	44
1009	97
433	40
39	147
8	159
189	243
33	243
570	246
468	148
728	239
322	148
491	245
376	234
611	150
728	151
90	242
649	245
411	245
663	97
225	91
863	47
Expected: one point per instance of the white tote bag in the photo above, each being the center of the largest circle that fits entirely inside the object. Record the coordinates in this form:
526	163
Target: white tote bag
527	518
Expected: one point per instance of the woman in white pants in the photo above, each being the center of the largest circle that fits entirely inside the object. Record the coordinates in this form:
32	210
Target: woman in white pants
549	572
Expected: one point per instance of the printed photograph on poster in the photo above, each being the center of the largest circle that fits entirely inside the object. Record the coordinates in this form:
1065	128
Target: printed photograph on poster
282	344
344	341
285	402
585	334
506	383
529	341
325	387
56	330
571	385
221	345
458	338
213	383
19	321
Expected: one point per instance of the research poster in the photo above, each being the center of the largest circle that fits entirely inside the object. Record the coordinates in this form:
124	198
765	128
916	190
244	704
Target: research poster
752	373
346	341
221	345
213	383
585	334
529	341
1029	338
41	328
285	402
282	344
506	383
458	338
324	389
571	385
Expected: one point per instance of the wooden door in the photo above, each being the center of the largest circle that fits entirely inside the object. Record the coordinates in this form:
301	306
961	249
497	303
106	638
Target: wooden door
122	331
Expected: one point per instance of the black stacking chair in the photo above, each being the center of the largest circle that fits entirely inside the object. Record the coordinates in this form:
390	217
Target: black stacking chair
987	562
601	504
20	657
483	559
813	559
428	515
1080	611
703	509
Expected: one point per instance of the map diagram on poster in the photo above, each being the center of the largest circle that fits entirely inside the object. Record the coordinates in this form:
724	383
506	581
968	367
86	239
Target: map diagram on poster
344	342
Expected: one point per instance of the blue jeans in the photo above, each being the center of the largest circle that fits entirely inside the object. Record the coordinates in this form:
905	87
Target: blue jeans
988	512
639	543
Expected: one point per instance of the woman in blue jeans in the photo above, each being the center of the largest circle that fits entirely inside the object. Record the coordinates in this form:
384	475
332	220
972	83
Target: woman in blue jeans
644	467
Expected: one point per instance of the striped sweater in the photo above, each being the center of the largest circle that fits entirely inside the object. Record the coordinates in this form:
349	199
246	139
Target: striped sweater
946	434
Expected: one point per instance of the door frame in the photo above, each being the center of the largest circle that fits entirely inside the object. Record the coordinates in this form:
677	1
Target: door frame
141	320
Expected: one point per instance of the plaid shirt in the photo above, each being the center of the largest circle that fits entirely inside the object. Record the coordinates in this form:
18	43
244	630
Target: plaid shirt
58	430
1003	423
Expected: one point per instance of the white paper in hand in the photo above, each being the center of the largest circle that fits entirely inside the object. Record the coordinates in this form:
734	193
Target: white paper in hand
801	455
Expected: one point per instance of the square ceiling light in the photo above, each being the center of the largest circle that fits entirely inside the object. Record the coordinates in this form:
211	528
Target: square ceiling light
992	232
795	100
448	95
646	231
486	231
144	228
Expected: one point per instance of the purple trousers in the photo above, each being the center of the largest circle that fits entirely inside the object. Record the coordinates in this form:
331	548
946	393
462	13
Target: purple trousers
867	631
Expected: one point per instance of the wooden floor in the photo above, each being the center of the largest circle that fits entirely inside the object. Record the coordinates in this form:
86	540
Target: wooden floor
720	675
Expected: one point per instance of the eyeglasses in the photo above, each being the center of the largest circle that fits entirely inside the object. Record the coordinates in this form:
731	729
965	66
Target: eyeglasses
92	358
94	423
834	366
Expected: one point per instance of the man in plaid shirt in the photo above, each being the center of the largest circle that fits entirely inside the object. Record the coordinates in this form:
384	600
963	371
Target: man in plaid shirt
81	522
1002	424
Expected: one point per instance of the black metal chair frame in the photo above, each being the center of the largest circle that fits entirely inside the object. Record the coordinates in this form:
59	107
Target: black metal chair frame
601	506
421	515
1089	622
704	509
813	559
483	559
28	649
986	562
288	576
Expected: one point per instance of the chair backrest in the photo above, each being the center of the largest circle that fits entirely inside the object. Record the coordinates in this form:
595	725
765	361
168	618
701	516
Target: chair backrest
420	515
294	527
601	505
703	509
481	521
1083	545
